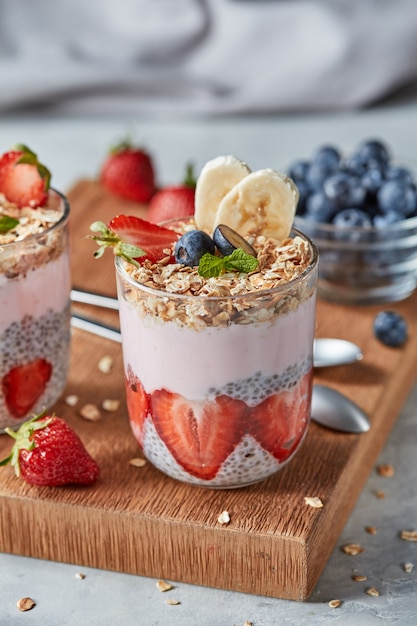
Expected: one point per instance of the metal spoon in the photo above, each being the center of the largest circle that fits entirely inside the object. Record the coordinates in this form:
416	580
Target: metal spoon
330	352
329	407
332	409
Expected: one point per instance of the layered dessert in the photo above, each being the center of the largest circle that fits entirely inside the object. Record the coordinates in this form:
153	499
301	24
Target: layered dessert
34	291
217	329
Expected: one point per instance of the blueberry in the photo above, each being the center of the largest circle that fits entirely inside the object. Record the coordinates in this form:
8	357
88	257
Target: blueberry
317	174
192	246
390	328
352	218
373	151
382	220
373	178
298	170
328	156
357	192
396	195
337	189
227	240
318	208
399	173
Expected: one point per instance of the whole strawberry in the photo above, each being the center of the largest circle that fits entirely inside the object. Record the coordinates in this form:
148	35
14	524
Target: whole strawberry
174	201
23	180
128	172
48	452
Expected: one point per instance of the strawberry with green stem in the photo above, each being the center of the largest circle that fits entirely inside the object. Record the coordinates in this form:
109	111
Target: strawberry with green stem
48	452
134	239
173	201
23	179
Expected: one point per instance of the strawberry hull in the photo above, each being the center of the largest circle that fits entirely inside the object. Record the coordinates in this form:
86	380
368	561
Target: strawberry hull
35	316
218	389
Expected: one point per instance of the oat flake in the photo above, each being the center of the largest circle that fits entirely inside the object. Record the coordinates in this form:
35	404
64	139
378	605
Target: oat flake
105	365
409	535
352	549
359	578
110	406
334	604
25	604
371	530
408	567
173	602
80	576
162	585
90	412
314	502
137	462
372	592
71	400
385	470
224	518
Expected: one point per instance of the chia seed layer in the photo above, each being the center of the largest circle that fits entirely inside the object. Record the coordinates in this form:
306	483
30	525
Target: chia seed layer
47	337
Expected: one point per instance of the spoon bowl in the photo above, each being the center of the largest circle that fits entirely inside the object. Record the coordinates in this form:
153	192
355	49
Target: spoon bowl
330	352
332	409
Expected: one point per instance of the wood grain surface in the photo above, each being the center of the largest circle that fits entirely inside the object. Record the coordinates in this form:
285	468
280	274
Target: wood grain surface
139	521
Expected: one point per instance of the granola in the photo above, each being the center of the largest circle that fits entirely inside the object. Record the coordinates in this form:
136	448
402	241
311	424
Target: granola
239	298
36	243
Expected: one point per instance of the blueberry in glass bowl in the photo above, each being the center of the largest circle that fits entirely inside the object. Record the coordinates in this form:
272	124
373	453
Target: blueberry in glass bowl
361	211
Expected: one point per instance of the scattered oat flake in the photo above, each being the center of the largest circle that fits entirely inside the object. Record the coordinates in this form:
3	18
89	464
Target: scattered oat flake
90	412
372	592
371	530
105	365
247	623
111	406
352	549
137	462
385	470
408	567
409	535
162	585
173	602
314	502
224	518
380	495
359	578
334	604
71	400
80	575
25	604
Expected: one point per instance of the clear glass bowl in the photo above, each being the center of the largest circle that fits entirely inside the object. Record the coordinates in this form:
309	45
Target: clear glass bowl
365	265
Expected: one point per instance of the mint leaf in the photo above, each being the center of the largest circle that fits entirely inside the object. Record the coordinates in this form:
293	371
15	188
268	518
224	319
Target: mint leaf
7	223
239	261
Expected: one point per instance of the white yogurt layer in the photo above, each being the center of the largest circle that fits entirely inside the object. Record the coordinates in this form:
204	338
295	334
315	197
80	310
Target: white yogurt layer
189	362
45	288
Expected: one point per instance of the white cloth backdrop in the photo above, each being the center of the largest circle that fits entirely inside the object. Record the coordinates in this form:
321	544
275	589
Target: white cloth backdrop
203	56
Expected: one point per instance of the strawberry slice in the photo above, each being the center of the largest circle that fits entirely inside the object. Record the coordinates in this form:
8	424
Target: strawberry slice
23	180
134	239
137	404
199	435
24	384
279	422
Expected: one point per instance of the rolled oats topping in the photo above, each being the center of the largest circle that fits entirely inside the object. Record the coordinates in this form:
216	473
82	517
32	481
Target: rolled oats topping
36	243
228	298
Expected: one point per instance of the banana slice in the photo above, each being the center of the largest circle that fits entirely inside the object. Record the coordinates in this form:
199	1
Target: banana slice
216	179
262	203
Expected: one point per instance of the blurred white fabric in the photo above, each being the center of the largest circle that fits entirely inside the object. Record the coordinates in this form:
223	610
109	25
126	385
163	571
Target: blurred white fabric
203	56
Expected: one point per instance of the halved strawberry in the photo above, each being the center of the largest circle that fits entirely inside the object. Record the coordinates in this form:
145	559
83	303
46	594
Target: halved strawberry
23	385
134	239
23	180
137	404
199	435
279	422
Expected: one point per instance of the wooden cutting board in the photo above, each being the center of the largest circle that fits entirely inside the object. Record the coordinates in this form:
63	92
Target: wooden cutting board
139	521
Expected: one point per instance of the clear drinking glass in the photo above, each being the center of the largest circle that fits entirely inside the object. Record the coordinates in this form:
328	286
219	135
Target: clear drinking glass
219	388
34	319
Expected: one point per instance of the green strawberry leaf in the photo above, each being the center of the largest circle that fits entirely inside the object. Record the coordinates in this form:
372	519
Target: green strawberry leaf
109	239
239	261
7	223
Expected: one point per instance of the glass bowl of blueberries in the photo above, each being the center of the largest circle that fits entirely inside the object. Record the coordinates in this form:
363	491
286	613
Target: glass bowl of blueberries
361	211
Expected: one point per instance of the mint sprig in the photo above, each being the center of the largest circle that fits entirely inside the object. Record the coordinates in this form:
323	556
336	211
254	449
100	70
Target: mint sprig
109	239
239	261
7	223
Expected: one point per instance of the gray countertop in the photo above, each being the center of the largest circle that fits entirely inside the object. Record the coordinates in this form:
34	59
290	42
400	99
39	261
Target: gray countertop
74	148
